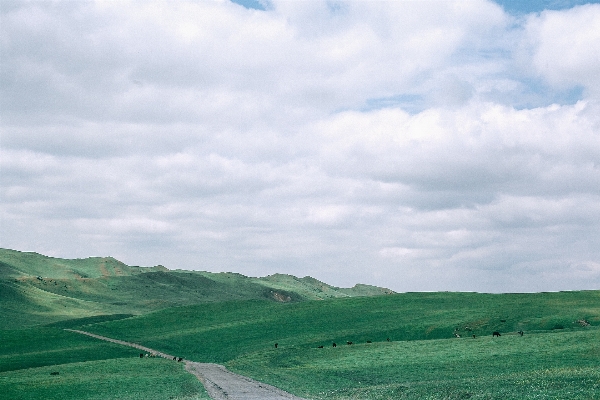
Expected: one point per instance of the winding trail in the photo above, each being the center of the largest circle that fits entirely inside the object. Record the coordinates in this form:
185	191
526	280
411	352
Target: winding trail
220	383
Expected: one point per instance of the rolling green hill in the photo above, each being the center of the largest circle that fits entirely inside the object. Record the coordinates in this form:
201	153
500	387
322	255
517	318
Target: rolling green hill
405	346
37	289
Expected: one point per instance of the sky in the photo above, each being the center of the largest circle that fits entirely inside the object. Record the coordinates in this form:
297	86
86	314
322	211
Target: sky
415	145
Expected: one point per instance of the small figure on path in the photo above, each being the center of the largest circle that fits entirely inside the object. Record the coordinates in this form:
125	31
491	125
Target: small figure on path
334	345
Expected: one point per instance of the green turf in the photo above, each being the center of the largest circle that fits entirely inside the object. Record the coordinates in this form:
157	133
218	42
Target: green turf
38	290
554	365
223	331
232	319
557	355
126	378
35	347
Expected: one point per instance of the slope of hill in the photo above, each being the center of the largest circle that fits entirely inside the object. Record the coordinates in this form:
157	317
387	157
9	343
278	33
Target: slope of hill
410	345
37	289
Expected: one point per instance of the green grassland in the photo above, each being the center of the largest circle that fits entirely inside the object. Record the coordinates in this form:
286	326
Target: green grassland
126	378
219	332
36	289
87	369
235	320
42	346
558	365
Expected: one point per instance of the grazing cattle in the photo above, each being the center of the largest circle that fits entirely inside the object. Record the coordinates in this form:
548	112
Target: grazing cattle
141	355
348	343
179	359
276	344
520	333
334	345
388	339
456	335
496	334
320	347
368	341
174	358
54	373
473	336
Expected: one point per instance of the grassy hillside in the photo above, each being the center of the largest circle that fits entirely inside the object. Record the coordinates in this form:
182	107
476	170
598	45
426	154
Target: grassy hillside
37	289
236	320
220	332
558	356
548	365
129	378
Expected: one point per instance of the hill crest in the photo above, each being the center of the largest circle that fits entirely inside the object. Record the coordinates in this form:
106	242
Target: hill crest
40	289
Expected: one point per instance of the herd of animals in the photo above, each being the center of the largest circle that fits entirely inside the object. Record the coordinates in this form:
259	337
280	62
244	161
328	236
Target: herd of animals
153	355
179	359
494	334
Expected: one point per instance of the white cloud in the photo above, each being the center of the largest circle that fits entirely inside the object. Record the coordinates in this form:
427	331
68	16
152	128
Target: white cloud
377	142
565	46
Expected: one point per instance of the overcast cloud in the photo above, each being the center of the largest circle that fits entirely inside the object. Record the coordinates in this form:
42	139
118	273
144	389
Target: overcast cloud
417	145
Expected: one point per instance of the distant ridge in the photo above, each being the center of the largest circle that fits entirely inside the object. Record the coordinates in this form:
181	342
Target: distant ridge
37	289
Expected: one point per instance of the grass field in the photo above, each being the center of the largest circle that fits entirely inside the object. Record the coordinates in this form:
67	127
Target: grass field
556	358
88	369
220	332
557	365
36	347
36	289
124	378
235	320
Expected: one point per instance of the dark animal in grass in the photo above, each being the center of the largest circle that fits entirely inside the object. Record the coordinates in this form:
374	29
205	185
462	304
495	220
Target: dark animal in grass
388	339
320	347
368	341
174	358
348	343
276	344
520	333
473	336
54	373
496	334
334	345
179	359
141	355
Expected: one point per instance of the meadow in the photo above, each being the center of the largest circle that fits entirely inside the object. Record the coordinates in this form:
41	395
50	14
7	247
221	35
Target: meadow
405	346
122	378
556	358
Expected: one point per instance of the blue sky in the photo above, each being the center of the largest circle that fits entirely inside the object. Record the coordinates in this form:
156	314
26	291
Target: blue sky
512	6
529	6
430	145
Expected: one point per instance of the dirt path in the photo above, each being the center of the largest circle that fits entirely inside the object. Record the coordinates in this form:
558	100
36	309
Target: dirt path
220	383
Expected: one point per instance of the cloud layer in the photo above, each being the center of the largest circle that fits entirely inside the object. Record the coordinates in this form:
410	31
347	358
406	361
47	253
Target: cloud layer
435	145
